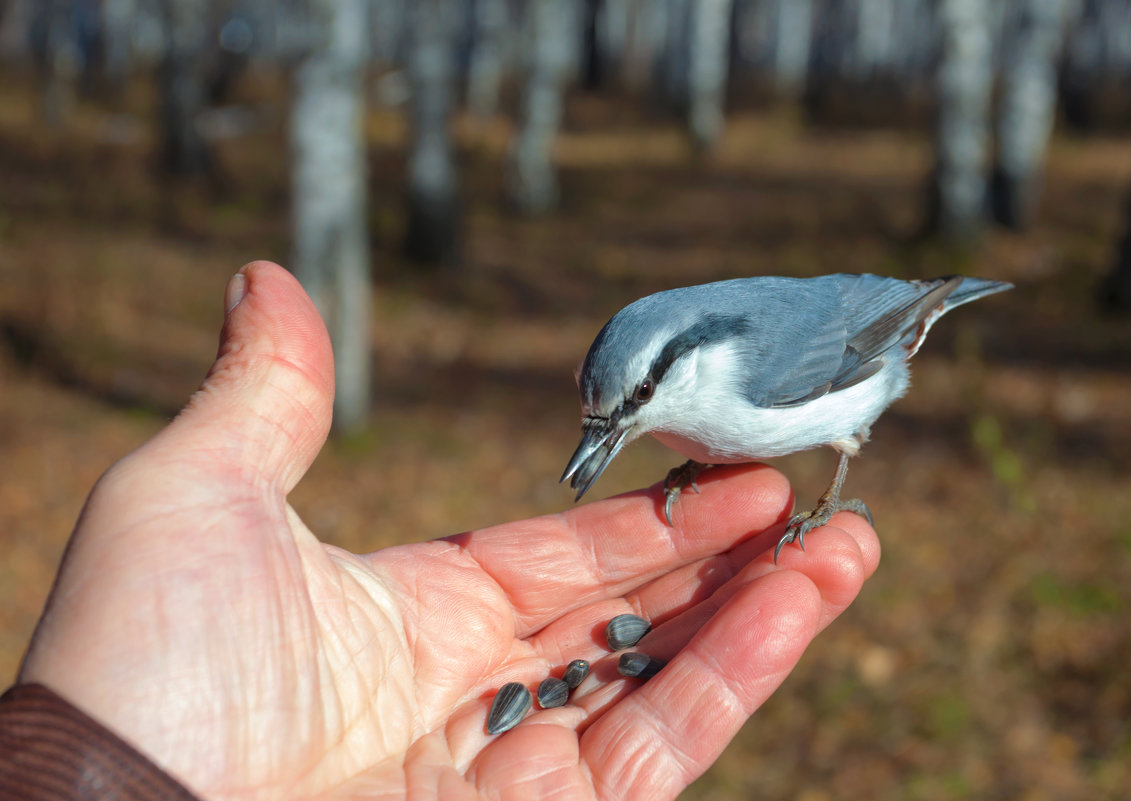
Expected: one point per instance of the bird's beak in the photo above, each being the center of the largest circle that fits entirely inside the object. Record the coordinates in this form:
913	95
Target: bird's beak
601	440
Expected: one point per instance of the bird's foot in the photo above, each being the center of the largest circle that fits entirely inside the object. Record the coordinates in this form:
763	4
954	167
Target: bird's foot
804	522
677	480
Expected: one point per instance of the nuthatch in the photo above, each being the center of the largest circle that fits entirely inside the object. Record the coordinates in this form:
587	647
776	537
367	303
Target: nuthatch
753	368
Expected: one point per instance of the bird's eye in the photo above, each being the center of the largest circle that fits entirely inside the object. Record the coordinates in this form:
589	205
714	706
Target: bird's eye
645	390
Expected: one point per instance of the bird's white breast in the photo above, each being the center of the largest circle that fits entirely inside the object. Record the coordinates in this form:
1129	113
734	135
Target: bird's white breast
707	419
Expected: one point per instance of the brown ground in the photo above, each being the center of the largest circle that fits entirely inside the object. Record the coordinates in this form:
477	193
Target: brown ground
987	658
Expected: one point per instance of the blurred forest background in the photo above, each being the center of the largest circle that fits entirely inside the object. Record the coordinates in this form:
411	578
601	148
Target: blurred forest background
470	188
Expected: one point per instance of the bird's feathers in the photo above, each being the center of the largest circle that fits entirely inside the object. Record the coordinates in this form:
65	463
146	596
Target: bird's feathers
756	367
800	338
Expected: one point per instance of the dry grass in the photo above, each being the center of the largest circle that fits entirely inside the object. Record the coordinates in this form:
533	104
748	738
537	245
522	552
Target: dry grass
988	656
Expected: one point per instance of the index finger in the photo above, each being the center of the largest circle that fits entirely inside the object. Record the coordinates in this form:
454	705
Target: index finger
554	564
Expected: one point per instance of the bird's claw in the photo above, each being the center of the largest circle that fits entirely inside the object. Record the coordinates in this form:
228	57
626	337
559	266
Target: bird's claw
804	522
672	494
676	480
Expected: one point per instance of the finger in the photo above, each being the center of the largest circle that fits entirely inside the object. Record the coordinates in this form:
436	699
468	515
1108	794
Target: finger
835	552
264	408
666	732
679	603
607	549
834	562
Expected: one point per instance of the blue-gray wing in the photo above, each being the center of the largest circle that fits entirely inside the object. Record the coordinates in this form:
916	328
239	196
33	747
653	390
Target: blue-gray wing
829	333
795	336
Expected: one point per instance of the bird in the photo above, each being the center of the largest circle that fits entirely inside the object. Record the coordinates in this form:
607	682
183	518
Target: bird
754	368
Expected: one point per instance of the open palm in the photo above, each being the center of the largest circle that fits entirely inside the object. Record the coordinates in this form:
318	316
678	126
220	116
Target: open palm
198	617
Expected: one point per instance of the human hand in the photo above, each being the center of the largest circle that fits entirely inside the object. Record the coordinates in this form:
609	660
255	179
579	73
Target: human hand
197	616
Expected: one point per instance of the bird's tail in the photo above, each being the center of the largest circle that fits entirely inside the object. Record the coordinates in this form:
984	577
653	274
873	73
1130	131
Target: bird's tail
972	289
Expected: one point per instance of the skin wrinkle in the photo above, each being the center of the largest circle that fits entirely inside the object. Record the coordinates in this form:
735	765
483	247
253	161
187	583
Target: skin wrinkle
691	590
591	561
356	722
584	618
370	680
79	581
703	610
687	766
722	681
545	784
309	417
283	480
430	751
465	552
473	568
304	428
519	662
528	623
638	775
353	571
721	694
660	538
364	676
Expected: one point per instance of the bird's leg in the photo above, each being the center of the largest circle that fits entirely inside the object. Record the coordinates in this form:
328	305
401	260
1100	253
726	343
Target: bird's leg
829	504
677	479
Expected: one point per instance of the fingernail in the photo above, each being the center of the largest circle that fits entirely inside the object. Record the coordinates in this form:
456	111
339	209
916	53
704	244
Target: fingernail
233	294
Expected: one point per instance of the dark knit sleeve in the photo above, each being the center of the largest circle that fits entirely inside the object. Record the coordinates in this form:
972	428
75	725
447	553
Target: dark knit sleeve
51	751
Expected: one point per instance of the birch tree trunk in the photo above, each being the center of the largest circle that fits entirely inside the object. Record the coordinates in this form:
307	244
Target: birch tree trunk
1028	103
673	65
793	28
964	82
643	25
56	50
486	70
433	212
117	29
14	29
914	24
874	42
331	252
531	179
182	80
707	77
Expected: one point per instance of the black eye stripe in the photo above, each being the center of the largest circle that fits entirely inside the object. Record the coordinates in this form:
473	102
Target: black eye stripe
712	328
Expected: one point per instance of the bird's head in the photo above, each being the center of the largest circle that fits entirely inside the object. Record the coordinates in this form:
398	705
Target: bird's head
642	374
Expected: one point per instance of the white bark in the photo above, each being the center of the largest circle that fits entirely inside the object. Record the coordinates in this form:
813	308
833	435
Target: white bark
673	65
117	34
550	28
707	78
1028	103
644	29
965	80
793	38
331	253
487	58
874	43
14	16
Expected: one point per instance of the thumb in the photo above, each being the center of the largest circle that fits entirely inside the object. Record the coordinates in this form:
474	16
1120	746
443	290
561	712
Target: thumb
265	405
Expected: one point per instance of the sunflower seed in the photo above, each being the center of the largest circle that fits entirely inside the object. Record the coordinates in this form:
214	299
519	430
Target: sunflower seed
624	631
511	704
575	672
635	664
552	692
